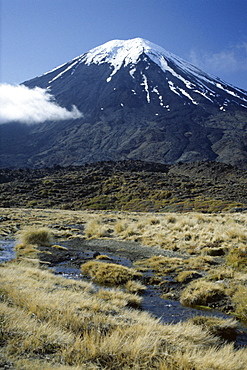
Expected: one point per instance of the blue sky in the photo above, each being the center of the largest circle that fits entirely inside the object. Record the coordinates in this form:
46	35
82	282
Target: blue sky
38	35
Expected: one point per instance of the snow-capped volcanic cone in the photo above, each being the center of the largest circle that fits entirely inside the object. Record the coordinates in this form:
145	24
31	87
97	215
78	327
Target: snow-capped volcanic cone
151	75
137	101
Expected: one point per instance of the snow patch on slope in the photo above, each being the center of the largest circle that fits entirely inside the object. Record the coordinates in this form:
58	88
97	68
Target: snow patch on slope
145	84
65	70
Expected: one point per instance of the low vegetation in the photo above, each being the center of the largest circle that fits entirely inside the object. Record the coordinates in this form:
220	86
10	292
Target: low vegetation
34	235
48	322
109	273
202	293
225	329
127	186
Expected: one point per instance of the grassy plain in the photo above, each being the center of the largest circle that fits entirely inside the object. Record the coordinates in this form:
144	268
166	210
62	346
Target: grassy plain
49	322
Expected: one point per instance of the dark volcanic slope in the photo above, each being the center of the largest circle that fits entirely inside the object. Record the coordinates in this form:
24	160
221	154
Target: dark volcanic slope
128	185
138	102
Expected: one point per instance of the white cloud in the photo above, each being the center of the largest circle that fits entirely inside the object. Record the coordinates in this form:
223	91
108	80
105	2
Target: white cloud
233	59
21	104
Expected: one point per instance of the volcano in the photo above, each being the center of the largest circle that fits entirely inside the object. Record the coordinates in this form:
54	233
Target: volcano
138	101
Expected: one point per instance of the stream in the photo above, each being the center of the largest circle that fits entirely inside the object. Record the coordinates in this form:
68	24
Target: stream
169	311
7	250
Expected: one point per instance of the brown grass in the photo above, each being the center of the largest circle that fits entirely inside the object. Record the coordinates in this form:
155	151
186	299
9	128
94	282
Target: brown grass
36	236
109	273
240	299
225	329
105	333
181	231
52	322
186	276
160	265
135	287
201	293
26	250
237	258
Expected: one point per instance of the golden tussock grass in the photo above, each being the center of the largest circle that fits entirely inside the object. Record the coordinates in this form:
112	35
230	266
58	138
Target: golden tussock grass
26	250
96	229
91	328
221	273
200	293
182	231
59	247
36	236
225	329
135	287
237	257
103	257
186	275
240	299
160	265
76	326
109	273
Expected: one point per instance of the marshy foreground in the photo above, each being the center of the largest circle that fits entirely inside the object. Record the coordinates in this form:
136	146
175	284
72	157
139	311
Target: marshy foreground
97	321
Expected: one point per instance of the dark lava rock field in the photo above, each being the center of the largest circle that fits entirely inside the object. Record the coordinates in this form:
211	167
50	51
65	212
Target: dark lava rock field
129	186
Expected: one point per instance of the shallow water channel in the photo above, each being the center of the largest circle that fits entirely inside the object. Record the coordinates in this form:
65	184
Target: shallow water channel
7	250
168	311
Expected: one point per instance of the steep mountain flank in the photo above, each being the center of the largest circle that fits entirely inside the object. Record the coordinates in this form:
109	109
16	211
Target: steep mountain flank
138	102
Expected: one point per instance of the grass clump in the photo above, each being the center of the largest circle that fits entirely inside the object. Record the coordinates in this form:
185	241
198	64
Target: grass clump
202	293
186	276
49	322
26	250
118	298
103	257
42	236
160	265
237	258
60	247
225	329
97	229
216	251
135	287
240	299
109	273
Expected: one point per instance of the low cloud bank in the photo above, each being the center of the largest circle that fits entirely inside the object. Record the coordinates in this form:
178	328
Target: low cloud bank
22	104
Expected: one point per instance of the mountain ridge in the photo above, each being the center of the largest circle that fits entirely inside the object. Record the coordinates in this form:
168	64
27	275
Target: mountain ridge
123	53
133	108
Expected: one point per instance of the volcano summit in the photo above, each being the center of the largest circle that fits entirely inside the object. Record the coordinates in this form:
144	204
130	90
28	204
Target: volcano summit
137	101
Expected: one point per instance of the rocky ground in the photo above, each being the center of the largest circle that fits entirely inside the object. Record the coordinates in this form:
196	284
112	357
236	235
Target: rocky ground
127	185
